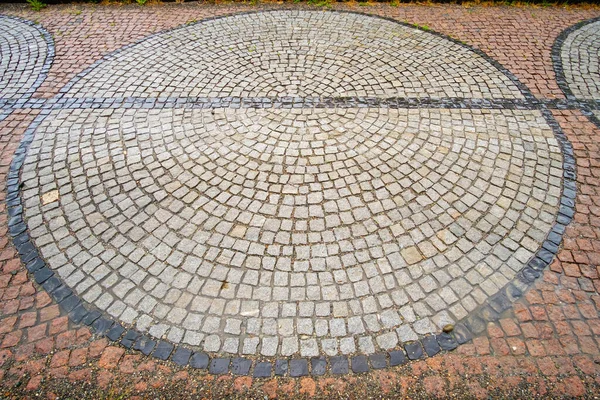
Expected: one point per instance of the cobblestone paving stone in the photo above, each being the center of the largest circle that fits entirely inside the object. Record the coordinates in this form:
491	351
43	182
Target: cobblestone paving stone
546	344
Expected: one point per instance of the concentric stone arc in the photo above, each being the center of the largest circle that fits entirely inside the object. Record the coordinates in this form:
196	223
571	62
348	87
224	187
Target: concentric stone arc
26	53
576	62
298	54
580	61
282	231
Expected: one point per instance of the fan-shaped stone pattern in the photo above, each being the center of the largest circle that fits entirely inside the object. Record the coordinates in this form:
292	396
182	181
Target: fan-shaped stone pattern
580	55
296	53
281	232
23	52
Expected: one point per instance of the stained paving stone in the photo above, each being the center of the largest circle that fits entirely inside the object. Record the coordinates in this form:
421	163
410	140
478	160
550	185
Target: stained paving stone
115	332
102	326
339	365
318	366
262	370
144	344
219	366
163	350
461	334
360	364
181	356
281	367
199	360
446	341
241	366
414	350
298	367
431	346
130	337
378	361
397	357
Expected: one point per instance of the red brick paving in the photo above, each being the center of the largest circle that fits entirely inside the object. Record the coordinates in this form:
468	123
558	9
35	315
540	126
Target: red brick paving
547	345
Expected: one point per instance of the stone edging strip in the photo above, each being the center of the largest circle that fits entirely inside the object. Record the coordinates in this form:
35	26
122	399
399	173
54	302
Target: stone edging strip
295	102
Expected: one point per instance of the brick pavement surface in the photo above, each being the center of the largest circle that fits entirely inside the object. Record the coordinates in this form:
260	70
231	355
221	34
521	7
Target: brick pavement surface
545	343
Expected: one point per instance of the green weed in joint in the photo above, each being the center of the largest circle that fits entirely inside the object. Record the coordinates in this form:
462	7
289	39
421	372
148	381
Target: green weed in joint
36	5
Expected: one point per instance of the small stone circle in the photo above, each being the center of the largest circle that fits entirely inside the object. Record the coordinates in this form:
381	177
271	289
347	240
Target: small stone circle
299	227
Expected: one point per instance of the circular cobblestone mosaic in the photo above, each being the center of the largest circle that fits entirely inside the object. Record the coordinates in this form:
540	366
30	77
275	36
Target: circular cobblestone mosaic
298	226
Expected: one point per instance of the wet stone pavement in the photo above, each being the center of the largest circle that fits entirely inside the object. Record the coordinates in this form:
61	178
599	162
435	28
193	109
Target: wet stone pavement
275	201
